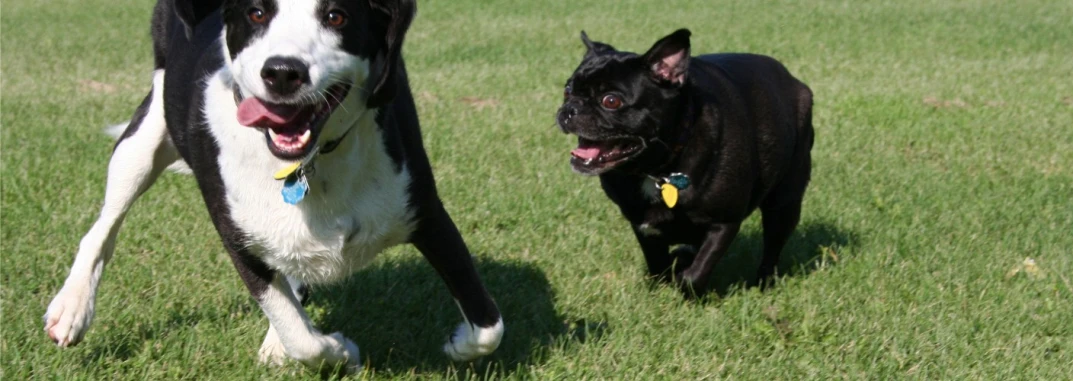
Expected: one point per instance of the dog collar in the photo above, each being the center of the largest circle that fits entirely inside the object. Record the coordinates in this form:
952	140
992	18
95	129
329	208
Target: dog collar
671	185
294	176
686	127
295	184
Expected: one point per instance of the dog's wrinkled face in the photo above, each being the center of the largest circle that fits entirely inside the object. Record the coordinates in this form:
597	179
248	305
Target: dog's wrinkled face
616	102
301	67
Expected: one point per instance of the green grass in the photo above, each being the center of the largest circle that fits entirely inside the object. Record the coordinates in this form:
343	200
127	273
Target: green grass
943	159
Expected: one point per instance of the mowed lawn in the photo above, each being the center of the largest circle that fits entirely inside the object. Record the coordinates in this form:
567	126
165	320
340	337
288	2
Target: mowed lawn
943	160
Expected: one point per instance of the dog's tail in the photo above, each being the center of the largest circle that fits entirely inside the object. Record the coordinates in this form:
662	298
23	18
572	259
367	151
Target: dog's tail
117	130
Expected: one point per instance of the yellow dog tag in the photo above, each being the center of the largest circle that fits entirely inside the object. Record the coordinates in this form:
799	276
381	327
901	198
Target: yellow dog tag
670	194
283	173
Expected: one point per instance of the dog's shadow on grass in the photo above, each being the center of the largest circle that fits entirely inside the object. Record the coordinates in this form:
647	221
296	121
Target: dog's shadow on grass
125	341
814	245
400	313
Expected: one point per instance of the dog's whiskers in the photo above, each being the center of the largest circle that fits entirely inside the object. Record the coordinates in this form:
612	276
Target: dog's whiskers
338	101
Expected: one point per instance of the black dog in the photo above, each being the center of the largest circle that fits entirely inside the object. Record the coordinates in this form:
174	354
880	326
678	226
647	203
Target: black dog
689	147
297	120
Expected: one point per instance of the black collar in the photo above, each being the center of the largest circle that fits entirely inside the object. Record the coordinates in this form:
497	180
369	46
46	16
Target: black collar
685	127
333	144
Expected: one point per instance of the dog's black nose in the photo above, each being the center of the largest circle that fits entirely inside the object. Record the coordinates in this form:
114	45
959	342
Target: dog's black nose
284	75
571	112
566	113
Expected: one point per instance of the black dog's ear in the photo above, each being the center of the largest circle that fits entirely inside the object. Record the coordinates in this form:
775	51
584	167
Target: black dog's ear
594	48
669	58
191	12
382	82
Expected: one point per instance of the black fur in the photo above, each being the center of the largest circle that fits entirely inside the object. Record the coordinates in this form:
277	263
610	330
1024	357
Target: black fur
136	119
739	125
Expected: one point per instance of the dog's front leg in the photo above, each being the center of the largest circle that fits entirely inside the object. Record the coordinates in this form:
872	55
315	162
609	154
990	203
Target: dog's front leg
439	241
655	251
290	330
141	154
694	280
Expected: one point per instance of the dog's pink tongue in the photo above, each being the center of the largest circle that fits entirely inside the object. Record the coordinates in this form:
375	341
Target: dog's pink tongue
254	113
588	152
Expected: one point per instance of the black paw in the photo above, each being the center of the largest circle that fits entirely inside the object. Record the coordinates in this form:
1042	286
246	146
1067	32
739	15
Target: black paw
683	257
692	287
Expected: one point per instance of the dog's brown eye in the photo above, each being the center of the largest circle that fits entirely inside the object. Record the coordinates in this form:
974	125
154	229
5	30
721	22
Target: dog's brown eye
257	15
335	19
611	102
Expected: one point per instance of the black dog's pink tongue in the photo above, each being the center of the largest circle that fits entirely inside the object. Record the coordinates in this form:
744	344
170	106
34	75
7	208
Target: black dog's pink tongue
254	113
586	150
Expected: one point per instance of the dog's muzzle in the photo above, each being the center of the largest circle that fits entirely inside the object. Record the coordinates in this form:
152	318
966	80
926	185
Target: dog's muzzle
566	113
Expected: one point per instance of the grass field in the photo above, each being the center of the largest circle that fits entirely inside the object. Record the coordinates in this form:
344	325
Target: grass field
943	159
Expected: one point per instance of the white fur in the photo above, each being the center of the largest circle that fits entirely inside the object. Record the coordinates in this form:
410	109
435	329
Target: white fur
651	191
179	166
357	205
134	166
470	341
358	202
291	332
648	231
354	193
295	31
272	351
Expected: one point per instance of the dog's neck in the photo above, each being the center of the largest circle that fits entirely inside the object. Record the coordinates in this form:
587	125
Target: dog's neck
663	150
684	128
331	145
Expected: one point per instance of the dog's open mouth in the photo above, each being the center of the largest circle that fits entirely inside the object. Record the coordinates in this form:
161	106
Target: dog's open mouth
598	156
291	129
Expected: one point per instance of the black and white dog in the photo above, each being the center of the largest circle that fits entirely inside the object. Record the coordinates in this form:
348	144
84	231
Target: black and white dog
314	93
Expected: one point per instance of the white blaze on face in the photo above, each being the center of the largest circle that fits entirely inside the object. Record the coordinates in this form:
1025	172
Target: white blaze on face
297	31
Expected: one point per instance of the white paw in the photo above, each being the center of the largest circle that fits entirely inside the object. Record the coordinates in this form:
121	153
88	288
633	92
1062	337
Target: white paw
272	351
325	351
343	350
68	316
470	342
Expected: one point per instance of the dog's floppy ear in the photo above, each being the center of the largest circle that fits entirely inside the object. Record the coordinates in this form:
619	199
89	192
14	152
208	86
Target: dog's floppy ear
382	82
191	12
669	58
594	48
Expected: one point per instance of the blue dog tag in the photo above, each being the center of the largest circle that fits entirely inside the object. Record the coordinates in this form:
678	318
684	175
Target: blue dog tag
295	189
679	180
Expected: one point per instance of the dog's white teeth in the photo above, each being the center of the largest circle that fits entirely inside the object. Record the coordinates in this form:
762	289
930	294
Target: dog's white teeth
272	134
305	137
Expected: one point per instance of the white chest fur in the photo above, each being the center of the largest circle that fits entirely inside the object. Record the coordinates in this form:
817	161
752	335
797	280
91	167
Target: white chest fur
357	205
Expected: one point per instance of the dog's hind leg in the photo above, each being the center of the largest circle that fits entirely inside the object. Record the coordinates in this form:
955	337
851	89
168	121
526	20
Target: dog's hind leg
779	224
780	213
781	210
142	153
